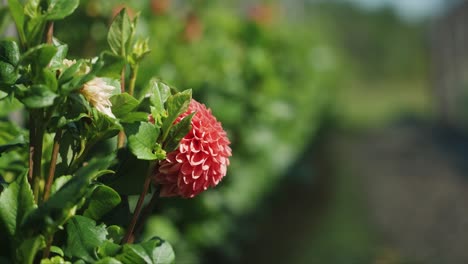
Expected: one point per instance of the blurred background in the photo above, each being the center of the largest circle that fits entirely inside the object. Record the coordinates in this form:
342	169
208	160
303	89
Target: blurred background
348	122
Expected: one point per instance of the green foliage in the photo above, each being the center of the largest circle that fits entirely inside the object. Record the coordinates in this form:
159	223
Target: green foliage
9	52
67	178
59	9
83	238
102	200
176	105
38	96
154	251
123	104
120	33
16	201
16	11
142	141
90	242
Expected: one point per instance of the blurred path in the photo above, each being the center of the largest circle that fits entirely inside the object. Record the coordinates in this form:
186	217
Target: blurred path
416	184
394	195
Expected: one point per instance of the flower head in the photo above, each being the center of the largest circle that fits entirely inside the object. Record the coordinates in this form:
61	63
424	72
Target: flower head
201	159
98	92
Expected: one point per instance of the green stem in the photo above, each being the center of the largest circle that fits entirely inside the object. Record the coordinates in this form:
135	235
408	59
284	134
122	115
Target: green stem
133	77
136	214
53	163
121	136
46	252
32	133
38	141
82	156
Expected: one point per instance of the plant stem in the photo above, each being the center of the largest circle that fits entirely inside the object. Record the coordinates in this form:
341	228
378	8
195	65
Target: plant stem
139	206
133	77
122	80
46	252
146	213
79	160
49	33
121	136
32	132
37	156
53	163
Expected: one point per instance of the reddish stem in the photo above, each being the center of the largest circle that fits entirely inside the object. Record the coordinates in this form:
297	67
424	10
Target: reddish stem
136	214
53	163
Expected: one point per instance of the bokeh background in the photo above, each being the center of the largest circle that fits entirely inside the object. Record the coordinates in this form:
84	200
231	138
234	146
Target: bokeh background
348	122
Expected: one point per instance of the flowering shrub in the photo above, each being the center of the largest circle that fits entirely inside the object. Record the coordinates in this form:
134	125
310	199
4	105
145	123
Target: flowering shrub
89	143
269	80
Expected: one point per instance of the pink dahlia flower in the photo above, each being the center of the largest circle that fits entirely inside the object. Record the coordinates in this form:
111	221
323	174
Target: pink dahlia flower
201	159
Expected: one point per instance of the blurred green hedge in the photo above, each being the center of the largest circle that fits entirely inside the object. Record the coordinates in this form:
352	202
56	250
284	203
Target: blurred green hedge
268	79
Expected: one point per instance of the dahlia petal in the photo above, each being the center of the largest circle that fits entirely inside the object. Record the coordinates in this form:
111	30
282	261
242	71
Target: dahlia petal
169	190
223	169
170	168
197	172
197	159
183	148
195	146
186	169
181	158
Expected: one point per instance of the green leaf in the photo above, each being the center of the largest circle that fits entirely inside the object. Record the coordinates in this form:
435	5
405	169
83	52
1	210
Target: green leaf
4	18
59	183
38	96
16	11
159	93
40	55
176	105
47	78
62	51
104	126
95	167
61	122
123	104
134	117
62	205
8	147
57	250
108	260
70	72
59	9
55	260
16	201
28	249
120	33
142	138
31	8
83	238
108	249
112	65
9	52
156	251
102	200
34	29
115	233
8	74
178	132
140	50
